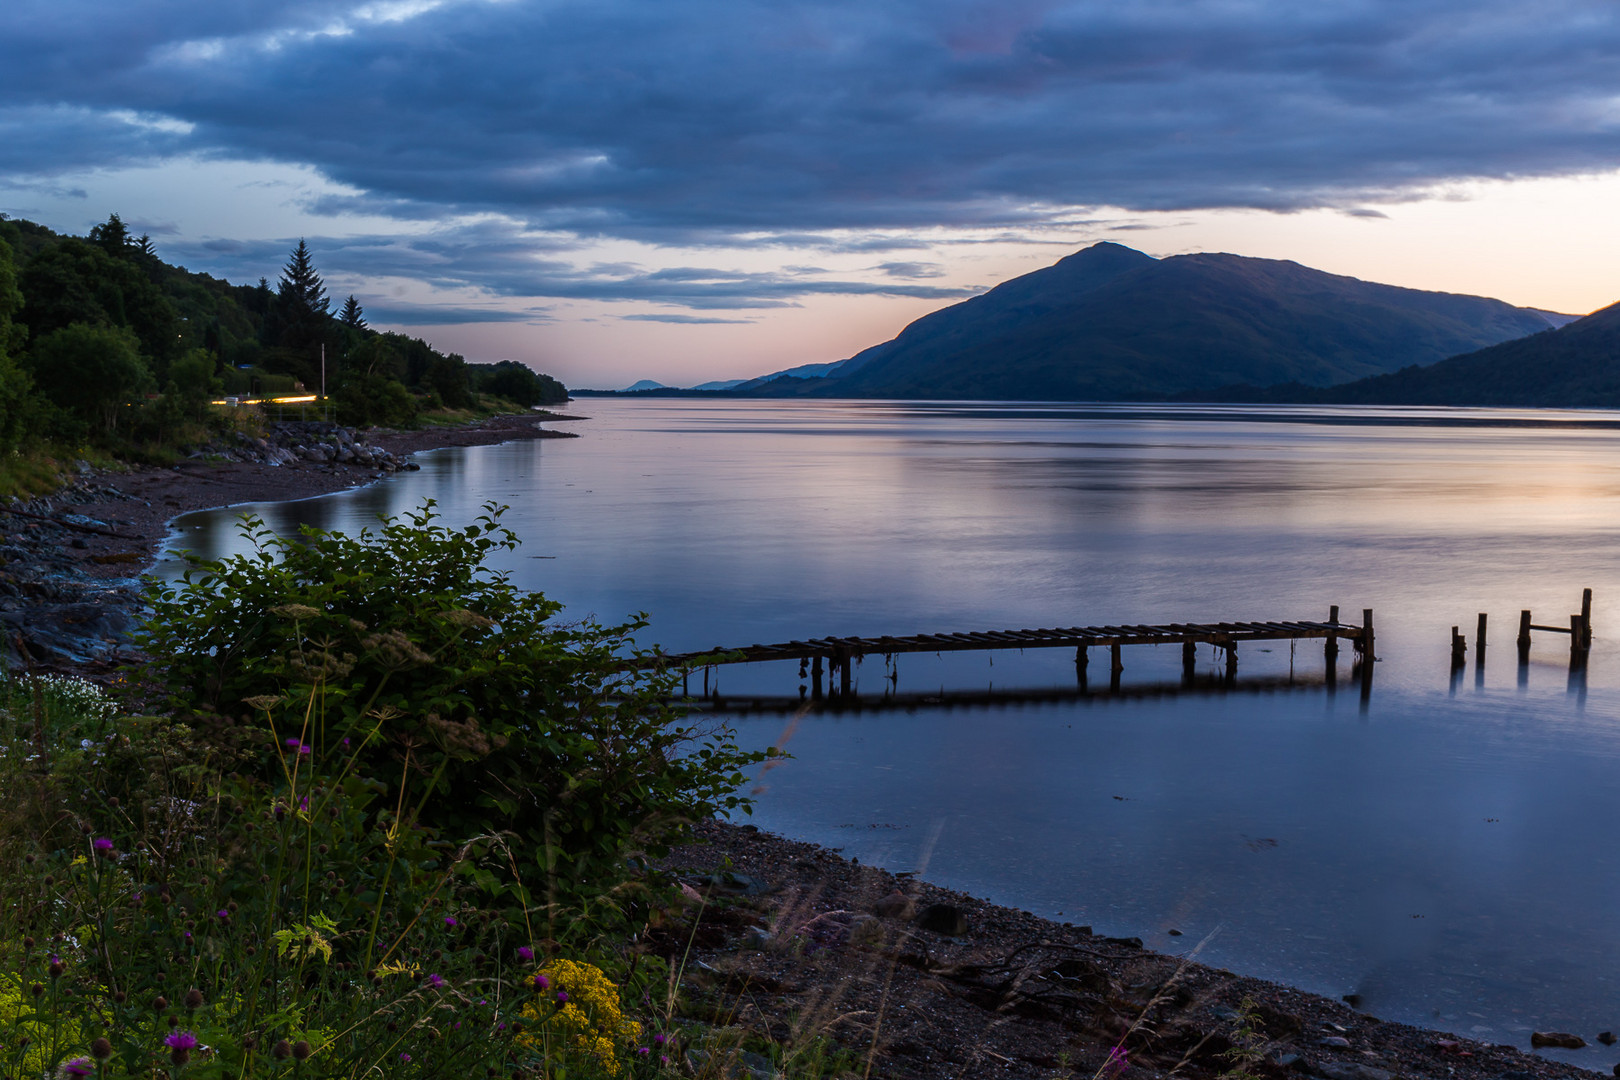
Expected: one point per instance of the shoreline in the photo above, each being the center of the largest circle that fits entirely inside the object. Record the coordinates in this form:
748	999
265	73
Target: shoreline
71	562
802	936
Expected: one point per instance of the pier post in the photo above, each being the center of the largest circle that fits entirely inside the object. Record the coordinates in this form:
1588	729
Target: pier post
815	677
1586	620
1459	649
1479	639
1115	664
1367	634
1367	657
1524	637
843	672
1577	654
1189	661
1082	660
1331	649
1231	660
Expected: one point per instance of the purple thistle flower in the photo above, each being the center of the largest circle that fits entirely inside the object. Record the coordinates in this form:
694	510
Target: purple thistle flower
79	1066
643	1050
525	953
180	1040
562	997
222	914
435	980
403	1056
449	920
102	843
541	982
294	743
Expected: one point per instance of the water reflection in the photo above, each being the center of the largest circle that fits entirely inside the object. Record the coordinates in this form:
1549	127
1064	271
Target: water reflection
1443	853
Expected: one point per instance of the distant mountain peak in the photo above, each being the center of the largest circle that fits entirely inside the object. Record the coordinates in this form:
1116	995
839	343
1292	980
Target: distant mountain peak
1109	322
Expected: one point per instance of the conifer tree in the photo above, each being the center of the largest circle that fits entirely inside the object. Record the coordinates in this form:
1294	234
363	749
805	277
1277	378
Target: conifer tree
351	316
300	287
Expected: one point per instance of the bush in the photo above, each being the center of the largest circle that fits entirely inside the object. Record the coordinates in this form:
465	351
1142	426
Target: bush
443	675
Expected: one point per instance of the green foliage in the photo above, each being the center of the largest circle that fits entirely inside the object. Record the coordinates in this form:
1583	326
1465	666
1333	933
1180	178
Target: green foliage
91	372
160	917
367	398
192	383
351	315
16	407
77	282
517	383
437	668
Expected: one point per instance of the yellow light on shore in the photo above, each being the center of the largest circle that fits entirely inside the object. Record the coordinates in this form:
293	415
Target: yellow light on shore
303	399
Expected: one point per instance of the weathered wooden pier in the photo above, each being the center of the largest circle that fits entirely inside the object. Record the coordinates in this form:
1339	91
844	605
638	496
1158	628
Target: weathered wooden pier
836	655
1580	644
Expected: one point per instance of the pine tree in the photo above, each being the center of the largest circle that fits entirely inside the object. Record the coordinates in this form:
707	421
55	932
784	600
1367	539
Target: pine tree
300	287
351	315
112	236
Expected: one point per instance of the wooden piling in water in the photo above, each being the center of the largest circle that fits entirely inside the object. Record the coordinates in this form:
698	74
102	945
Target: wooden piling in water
1479	639
1459	649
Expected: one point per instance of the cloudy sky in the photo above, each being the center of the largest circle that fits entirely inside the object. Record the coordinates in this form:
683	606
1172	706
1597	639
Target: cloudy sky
618	189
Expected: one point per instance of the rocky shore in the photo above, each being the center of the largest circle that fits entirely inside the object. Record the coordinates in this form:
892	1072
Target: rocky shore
70	562
925	983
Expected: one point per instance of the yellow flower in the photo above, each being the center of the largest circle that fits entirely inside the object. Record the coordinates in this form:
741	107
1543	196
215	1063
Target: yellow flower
579	1007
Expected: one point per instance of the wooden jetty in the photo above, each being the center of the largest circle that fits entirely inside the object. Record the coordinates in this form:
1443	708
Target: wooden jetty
840	653
1579	631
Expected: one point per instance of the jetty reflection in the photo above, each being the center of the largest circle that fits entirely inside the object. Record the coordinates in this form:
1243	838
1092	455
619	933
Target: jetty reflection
889	701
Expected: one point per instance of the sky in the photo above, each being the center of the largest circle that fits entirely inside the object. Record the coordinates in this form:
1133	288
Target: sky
613	190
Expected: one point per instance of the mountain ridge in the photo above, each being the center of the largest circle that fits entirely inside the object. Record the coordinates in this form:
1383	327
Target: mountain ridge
1112	323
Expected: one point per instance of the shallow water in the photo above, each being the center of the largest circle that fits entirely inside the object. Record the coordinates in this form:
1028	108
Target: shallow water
1445	851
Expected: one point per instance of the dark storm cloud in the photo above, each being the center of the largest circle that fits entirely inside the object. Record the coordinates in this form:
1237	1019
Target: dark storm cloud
766	123
505	264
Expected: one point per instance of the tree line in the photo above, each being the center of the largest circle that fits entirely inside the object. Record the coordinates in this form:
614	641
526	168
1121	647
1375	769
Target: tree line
103	343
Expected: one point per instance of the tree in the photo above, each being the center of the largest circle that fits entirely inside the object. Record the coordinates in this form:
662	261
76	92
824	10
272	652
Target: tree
300	288
14	382
351	315
91	372
112	236
77	282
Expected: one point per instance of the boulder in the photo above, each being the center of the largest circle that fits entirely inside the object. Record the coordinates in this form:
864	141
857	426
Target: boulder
897	905
1561	1039
947	919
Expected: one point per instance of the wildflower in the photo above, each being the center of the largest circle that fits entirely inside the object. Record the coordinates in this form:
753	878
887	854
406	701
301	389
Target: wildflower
1117	1062
562	997
403	1056
194	998
525	953
180	1044
449	921
643	1050
282	1050
222	914
301	1050
541	982
101	1049
435	980
103	845
79	1066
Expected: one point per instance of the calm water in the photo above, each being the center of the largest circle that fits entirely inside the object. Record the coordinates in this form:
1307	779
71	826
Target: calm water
1446	852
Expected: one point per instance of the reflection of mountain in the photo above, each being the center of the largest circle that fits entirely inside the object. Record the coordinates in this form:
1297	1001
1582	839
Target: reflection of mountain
1111	323
1575	366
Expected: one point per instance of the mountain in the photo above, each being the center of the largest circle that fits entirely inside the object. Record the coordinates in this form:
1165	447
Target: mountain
1575	366
1112	323
644	384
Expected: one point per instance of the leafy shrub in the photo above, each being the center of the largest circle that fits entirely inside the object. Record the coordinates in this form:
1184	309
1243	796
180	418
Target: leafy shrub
441	672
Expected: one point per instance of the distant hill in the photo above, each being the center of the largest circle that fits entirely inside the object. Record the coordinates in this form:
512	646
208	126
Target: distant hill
1575	366
1112	323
